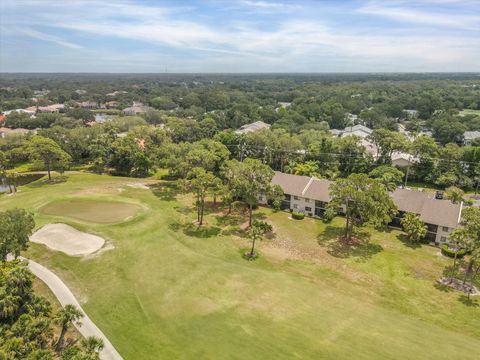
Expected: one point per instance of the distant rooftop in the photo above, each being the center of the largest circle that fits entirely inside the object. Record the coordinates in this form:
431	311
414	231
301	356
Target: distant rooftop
256	126
471	135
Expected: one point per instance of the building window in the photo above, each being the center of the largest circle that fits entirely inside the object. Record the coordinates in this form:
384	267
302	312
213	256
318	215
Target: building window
307	200
432	228
295	206
308	208
443	239
445	229
295	198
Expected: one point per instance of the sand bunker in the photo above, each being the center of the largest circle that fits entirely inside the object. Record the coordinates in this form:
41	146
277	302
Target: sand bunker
64	238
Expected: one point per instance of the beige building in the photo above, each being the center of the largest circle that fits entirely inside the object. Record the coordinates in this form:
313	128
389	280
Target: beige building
311	196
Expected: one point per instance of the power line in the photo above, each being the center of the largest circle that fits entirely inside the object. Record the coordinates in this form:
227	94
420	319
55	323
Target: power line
333	154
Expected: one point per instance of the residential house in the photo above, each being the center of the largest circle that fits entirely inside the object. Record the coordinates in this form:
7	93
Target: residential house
469	136
111	104
304	194
54	108
336	132
357	130
2	118
42	92
351	118
370	147
441	216
311	196
6	132
27	111
89	105
410	113
134	110
401	159
284	104
253	127
115	93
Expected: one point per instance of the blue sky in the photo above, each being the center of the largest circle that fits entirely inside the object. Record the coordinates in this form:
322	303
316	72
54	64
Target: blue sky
239	36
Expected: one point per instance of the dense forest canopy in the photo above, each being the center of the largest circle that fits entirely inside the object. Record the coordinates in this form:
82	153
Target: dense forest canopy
422	116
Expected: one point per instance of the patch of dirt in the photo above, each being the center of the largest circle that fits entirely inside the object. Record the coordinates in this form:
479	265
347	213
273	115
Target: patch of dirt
458	285
286	248
138	186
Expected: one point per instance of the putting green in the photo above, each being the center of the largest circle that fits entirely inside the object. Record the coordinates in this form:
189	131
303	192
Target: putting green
100	212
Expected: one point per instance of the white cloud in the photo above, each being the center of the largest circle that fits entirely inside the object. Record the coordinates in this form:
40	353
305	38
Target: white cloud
435	18
265	4
46	37
292	43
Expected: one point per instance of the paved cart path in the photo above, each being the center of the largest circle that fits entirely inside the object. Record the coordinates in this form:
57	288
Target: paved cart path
65	296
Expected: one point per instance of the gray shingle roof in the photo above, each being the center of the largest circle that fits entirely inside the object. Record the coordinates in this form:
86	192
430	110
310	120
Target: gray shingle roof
471	135
430	210
318	189
257	125
291	184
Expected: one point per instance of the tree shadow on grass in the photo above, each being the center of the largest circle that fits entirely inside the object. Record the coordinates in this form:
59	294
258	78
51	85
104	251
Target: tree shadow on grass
443	288
185	210
201	231
360	248
468	301
58	179
175	226
259	215
412	245
166	191
213	207
195	230
229	220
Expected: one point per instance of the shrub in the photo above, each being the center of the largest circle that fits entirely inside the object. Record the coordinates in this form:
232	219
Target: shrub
329	214
297	215
451	253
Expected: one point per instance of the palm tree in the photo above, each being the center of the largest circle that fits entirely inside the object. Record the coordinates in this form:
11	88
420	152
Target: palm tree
459	239
93	345
68	315
255	232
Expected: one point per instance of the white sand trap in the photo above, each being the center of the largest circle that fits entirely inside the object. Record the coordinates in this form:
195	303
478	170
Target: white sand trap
64	238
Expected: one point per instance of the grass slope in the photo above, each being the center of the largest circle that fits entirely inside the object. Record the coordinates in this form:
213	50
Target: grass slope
170	291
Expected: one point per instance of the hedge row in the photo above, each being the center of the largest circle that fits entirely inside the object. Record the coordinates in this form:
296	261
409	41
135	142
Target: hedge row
298	215
451	253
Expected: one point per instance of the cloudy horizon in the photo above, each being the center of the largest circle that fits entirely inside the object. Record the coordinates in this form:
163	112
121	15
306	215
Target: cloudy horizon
140	36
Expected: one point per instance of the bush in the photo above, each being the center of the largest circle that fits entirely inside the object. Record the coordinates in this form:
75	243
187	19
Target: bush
297	215
451	253
329	214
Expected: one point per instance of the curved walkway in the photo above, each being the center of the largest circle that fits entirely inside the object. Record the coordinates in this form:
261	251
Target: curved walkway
65	296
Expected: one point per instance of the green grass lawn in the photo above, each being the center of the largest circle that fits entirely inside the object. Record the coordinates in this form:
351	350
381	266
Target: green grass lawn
469	112
170	291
